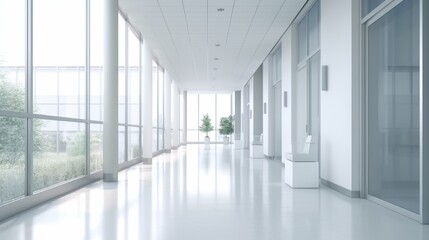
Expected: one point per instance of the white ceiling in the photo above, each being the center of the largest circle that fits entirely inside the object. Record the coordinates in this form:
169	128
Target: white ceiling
183	35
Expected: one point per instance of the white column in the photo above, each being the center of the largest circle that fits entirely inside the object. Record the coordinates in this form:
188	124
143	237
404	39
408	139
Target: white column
175	115
288	75
147	102
185	112
110	70
167	111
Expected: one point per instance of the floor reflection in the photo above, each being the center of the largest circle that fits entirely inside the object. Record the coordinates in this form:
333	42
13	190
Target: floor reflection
215	193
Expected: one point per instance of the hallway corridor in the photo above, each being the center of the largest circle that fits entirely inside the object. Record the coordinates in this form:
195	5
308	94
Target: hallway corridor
205	194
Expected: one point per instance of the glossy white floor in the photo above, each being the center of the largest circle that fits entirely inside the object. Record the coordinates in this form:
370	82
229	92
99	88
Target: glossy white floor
219	193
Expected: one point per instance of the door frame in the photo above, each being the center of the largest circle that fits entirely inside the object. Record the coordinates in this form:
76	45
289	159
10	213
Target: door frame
366	22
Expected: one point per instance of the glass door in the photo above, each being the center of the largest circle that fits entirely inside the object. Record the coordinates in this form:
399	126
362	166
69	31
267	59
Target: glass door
392	133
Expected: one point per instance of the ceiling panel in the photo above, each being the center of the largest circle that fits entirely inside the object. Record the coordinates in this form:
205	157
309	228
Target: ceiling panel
184	35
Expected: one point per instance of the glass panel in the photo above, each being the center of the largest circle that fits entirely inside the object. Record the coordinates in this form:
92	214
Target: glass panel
12	55
207	105
154	140
133	143
141	141
302	39
160	98
121	96
96	144
12	158
96	59
369	5
71	92
192	113
223	106
96	94
160	139
121	142
182	115
154	107
192	136
154	94
65	87
59	152
277	65
314	28
393	96
45	87
134	78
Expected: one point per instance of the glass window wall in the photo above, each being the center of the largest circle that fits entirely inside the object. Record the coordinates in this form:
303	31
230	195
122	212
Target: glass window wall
12	55
309	33
59	71
393	112
55	134
369	5
59	152
215	105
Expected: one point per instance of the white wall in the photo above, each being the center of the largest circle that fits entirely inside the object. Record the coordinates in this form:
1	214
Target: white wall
288	75
339	147
268	118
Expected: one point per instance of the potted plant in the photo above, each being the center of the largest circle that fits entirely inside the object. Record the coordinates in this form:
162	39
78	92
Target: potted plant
206	127
226	128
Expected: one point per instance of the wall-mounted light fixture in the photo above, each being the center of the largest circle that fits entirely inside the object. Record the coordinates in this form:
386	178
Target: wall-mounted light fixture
324	78
285	99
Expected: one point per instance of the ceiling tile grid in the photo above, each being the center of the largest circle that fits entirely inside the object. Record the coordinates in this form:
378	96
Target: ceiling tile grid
211	45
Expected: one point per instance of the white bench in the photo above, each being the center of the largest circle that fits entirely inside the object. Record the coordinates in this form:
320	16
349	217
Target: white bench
302	169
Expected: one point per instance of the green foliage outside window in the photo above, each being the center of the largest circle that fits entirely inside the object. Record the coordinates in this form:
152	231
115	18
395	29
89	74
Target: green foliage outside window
12	98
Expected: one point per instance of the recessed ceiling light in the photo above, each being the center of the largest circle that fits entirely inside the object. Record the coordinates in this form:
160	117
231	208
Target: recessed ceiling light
217	45
214	68
221	9
216	58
